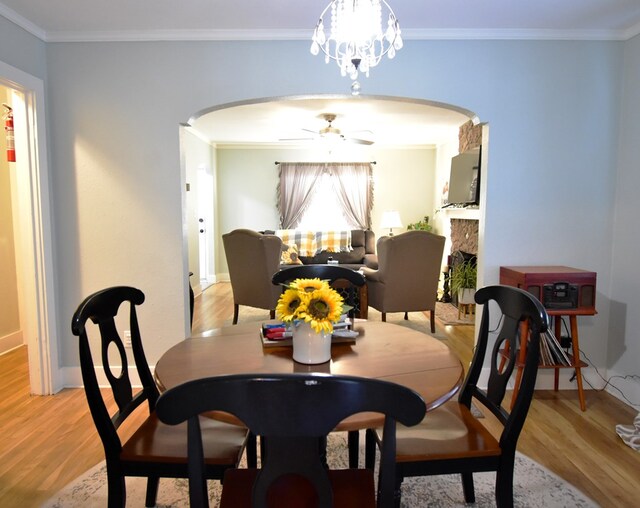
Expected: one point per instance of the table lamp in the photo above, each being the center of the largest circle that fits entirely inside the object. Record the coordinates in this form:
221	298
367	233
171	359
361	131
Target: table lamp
391	219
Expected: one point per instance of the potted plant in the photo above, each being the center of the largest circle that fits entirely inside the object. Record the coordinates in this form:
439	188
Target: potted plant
463	281
421	225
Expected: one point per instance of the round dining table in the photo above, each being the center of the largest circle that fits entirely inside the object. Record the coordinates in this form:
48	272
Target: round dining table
381	351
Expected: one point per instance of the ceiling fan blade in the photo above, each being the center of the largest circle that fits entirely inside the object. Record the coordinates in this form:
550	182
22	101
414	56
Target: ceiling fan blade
359	141
296	139
309	130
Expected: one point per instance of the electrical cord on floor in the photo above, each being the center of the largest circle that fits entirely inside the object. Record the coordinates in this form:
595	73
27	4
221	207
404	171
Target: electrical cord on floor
590	364
607	382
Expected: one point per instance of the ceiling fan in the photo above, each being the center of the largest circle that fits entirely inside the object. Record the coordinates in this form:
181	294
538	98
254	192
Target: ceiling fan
332	133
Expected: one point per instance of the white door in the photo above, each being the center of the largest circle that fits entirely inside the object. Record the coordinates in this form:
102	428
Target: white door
205	227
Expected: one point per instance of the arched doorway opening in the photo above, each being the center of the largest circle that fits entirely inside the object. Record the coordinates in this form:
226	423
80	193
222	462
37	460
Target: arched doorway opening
279	128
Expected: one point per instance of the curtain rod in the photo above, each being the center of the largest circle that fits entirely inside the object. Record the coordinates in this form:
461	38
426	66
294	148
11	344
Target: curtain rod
370	162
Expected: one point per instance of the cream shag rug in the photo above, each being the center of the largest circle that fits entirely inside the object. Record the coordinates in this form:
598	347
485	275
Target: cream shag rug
534	486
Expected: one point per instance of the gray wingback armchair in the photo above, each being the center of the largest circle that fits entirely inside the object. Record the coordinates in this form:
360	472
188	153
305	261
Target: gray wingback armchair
406	280
252	259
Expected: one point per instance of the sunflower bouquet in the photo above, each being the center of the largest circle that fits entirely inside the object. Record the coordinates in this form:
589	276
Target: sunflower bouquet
312	301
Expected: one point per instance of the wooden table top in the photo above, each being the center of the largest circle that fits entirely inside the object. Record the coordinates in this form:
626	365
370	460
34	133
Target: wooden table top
381	351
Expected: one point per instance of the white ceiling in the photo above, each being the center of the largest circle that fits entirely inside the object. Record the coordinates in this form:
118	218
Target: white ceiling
384	120
55	20
132	20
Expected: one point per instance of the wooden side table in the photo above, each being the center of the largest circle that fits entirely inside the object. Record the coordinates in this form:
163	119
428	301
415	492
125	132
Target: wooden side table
564	291
466	309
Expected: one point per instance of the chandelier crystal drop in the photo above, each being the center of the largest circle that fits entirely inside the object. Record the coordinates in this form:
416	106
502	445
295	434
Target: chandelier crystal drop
356	40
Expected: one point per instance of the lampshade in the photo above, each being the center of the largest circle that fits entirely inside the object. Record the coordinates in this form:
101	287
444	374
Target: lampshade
391	219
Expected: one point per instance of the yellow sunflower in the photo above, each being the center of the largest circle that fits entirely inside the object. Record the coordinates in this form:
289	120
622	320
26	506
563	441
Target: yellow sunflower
309	285
290	305
323	309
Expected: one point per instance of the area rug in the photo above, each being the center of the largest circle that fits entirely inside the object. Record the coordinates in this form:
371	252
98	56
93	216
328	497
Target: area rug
534	486
447	313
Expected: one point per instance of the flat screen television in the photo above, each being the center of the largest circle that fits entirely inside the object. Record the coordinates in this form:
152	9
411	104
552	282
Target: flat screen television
464	179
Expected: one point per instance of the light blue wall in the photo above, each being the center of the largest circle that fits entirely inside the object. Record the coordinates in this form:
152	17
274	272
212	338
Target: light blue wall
624	326
552	108
22	50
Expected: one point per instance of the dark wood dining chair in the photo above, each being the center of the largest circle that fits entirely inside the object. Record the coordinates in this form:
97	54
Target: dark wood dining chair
331	273
154	450
451	439
293	412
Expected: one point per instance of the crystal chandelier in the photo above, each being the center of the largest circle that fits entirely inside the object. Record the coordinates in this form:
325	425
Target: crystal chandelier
356	40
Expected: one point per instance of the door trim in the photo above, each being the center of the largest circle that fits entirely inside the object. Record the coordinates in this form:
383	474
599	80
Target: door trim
39	320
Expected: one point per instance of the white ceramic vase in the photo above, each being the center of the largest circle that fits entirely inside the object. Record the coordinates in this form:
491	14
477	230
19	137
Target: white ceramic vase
309	346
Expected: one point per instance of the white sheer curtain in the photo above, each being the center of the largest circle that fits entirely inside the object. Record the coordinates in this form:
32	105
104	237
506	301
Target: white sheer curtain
295	190
352	184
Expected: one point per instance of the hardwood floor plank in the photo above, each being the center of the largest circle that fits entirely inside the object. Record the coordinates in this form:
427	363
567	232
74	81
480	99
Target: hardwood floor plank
49	441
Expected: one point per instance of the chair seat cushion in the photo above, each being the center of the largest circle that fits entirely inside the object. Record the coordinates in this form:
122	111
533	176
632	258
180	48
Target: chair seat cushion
155	441
448	432
352	488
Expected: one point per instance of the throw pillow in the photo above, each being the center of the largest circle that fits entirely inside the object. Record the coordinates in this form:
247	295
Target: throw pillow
290	255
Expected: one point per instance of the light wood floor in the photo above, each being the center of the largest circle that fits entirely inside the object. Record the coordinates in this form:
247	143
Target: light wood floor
46	442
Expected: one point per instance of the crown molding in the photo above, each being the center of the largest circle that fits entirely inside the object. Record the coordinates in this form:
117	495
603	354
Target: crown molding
632	31
514	34
305	34
22	22
179	35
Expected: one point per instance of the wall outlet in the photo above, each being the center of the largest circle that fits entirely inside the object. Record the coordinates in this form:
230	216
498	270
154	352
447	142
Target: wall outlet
127	338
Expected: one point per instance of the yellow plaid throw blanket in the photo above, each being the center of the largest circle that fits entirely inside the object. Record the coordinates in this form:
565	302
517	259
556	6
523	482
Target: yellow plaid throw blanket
305	241
333	241
310	243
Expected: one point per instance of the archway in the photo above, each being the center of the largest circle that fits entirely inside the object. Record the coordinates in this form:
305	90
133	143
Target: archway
273	122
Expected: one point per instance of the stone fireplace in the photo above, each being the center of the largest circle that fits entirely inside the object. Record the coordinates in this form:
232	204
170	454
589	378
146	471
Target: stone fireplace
461	225
464	236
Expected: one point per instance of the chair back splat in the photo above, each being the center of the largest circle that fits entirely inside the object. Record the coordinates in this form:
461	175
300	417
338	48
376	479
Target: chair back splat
293	413
331	273
517	308
102	308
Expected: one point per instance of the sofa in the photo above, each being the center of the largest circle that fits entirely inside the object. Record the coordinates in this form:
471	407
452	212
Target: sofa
354	250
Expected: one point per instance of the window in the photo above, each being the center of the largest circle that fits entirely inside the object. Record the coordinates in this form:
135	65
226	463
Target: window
324	211
320	196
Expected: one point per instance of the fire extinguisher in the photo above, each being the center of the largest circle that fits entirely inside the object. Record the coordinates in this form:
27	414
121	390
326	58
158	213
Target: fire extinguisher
8	126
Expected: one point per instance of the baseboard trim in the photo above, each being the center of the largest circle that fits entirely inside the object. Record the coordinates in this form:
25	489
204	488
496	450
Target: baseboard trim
11	341
72	377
